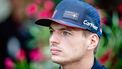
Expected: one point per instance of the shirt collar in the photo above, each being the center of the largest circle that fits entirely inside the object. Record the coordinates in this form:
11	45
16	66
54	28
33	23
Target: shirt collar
96	65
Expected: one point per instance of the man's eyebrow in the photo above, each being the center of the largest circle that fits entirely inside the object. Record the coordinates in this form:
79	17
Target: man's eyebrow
69	29
65	28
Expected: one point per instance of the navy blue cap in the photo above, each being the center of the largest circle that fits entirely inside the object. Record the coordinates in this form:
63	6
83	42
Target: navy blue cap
75	13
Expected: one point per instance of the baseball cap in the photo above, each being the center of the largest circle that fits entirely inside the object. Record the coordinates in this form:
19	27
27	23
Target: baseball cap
74	13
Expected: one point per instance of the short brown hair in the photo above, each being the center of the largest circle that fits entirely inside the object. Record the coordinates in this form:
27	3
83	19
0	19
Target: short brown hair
86	33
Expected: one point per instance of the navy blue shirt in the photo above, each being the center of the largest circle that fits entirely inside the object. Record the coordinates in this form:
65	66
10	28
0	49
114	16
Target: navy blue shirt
96	65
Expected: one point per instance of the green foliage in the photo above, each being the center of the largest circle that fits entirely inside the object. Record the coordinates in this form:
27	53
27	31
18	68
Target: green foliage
112	39
22	65
40	35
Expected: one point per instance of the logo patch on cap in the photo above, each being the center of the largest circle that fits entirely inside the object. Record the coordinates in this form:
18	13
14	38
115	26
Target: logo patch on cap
71	15
90	24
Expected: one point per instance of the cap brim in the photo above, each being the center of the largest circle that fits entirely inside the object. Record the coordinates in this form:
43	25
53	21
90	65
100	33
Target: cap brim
47	22
44	22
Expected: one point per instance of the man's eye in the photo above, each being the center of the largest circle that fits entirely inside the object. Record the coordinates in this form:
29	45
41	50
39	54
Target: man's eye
66	33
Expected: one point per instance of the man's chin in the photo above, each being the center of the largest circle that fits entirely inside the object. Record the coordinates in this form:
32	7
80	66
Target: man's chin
56	59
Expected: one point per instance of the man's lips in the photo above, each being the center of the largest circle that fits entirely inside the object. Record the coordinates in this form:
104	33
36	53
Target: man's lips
55	51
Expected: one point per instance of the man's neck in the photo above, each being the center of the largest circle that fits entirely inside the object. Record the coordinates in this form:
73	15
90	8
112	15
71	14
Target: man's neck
86	62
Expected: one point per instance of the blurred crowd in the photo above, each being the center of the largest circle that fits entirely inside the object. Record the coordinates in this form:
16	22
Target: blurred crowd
24	45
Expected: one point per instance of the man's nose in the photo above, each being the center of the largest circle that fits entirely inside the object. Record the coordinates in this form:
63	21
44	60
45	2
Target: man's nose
54	38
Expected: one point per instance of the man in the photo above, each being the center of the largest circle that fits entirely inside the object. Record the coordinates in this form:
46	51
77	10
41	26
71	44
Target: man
75	33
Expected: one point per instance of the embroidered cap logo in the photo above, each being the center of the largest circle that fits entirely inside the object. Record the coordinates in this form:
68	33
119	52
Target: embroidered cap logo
71	15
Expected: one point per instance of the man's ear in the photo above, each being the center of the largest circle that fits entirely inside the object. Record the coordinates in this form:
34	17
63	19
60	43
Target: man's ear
93	41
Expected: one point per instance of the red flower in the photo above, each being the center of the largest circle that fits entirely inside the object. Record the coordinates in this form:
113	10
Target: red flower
48	5
9	63
36	55
31	9
38	1
120	22
44	14
103	20
20	55
105	57
120	8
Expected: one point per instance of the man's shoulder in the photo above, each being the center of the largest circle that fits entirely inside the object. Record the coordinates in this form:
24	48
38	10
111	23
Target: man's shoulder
97	65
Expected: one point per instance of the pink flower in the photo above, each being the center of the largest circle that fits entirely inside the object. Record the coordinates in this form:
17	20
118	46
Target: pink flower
44	14
36	55
38	1
9	63
48	5
31	9
20	55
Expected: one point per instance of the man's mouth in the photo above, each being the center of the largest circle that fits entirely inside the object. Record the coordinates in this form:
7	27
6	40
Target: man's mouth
55	51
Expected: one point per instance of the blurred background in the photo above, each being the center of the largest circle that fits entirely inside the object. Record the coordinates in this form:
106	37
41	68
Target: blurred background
24	45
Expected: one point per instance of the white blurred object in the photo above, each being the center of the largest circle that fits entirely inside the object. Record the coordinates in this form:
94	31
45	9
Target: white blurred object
5	9
13	46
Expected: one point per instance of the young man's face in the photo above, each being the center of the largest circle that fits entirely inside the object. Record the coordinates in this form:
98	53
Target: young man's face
67	44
